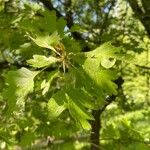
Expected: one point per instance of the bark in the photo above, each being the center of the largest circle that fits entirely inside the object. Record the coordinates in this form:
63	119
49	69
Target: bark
95	132
96	123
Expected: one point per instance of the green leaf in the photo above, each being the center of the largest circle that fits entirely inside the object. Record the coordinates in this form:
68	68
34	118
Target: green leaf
61	23
106	54
77	110
20	83
101	78
81	97
71	45
22	78
104	50
62	100
48	22
45	85
40	61
47	41
54	108
90	87
56	105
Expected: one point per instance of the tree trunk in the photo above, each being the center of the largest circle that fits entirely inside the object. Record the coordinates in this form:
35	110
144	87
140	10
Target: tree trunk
95	131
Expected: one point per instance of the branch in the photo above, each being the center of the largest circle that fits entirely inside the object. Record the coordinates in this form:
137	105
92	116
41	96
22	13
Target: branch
146	5
5	65
143	17
96	123
69	13
112	98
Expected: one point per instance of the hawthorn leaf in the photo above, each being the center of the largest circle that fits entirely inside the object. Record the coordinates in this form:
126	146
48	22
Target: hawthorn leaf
81	97
48	21
54	108
56	105
100	77
45	85
78	113
22	79
104	50
61	23
40	61
47	41
19	84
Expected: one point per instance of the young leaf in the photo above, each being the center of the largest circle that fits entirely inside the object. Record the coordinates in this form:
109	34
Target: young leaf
47	41
40	61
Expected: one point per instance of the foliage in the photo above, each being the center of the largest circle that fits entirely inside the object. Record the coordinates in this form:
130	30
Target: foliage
51	81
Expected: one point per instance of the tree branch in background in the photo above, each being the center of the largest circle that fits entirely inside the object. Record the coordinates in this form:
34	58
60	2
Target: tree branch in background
69	13
144	17
96	123
136	8
146	5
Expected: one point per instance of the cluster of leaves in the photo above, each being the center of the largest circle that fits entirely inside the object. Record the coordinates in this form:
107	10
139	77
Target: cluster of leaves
49	87
79	80
60	85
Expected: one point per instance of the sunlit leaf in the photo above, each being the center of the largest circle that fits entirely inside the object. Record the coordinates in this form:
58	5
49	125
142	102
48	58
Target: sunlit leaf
47	41
40	61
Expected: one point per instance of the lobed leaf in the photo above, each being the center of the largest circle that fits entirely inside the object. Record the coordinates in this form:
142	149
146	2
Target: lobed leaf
40	61
20	83
47	41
